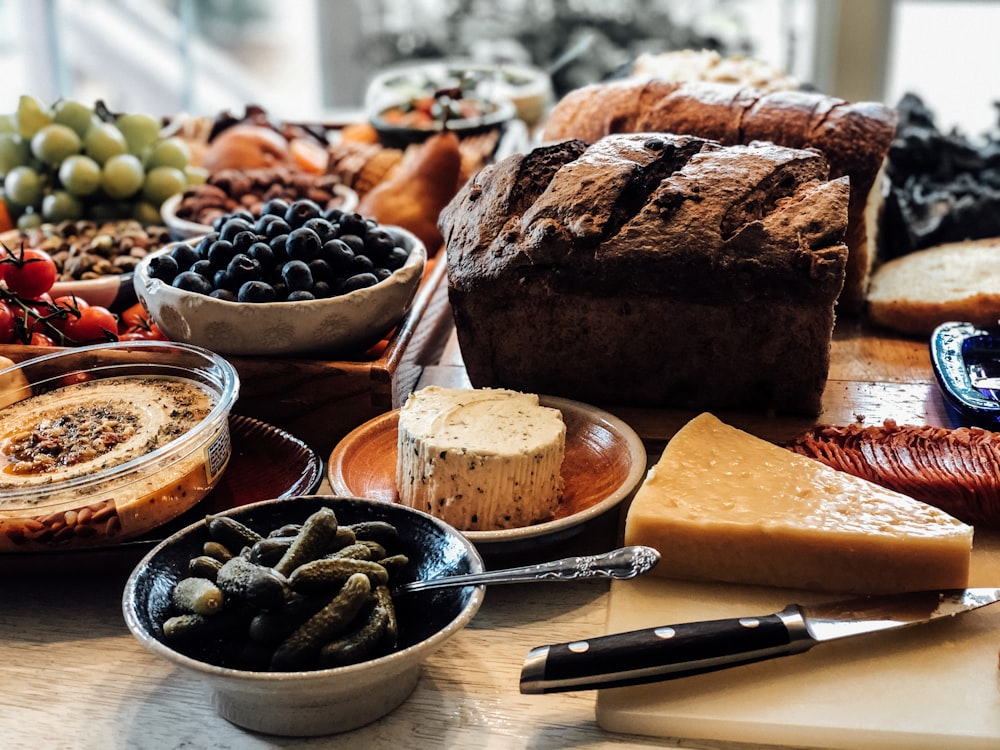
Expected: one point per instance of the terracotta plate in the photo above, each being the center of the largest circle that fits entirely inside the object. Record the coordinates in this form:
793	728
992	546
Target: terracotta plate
266	463
605	461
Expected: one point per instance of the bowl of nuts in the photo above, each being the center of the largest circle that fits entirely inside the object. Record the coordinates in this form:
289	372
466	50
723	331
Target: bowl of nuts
95	260
303	633
193	212
293	280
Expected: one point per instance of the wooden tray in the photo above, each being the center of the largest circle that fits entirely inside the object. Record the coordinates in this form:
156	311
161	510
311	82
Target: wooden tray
320	401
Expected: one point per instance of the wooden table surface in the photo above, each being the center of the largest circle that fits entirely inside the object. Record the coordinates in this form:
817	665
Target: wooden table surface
71	675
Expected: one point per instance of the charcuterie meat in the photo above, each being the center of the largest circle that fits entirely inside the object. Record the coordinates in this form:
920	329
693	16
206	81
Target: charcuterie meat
956	470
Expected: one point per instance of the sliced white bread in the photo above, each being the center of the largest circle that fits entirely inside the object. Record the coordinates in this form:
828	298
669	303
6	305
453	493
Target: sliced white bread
959	281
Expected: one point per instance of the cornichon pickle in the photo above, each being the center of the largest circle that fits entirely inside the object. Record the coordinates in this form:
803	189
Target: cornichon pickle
356	551
332	572
274	625
230	532
301	649
382	532
394	565
318	532
383	599
257	584
217	550
198	595
204	566
359	644
193	625
289	530
269	550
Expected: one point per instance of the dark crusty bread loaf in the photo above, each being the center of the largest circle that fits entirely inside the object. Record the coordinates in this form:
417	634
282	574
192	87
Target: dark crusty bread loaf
854	138
650	269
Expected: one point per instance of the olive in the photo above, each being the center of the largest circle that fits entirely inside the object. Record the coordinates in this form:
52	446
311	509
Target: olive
220	253
301	211
358	281
184	254
276	228
263	254
243	240
396	258
206	242
320	270
192	282
303	244
203	268
275	206
321	227
224	294
360	264
353	223
243	268
297	276
354	242
224	280
232	227
300	295
378	244
260	227
337	254
163	267
333	214
256	291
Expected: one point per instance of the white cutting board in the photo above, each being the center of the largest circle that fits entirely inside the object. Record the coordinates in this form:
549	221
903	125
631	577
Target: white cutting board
932	686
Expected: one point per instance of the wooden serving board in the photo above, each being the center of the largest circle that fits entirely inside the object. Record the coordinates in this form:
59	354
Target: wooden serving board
927	687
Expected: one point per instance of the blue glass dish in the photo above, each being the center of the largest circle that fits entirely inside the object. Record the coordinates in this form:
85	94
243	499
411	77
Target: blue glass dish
966	362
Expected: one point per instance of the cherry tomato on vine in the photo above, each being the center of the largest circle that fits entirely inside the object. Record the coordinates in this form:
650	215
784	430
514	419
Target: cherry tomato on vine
40	339
134	316
7	324
30	273
73	306
95	325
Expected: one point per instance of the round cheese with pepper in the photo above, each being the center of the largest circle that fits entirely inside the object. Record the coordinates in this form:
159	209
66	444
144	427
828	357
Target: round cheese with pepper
480	460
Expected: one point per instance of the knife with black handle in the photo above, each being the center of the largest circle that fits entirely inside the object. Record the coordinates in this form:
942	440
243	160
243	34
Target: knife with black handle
681	650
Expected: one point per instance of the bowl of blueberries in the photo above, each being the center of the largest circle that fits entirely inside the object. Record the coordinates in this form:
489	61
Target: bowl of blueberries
294	279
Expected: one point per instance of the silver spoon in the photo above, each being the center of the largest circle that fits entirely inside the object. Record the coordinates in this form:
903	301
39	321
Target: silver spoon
622	563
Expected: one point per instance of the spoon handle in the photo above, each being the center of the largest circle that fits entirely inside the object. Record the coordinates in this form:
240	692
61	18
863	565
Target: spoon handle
625	562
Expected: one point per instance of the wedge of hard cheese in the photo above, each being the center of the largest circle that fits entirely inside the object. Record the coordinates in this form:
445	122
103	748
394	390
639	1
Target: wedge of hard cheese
724	505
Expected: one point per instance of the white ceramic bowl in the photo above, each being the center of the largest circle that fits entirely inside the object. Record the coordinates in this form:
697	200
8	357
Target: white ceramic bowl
182	229
324	701
348	323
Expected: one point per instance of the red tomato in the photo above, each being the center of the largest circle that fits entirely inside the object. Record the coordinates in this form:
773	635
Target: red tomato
7	324
29	274
40	339
73	306
95	325
134	317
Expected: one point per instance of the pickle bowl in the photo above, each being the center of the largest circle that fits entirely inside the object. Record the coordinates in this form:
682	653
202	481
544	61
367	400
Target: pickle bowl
320	701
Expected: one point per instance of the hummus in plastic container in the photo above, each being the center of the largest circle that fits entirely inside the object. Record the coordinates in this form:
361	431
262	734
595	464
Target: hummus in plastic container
99	444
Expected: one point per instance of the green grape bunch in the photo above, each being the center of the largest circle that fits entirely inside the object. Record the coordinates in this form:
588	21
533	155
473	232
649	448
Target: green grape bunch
71	161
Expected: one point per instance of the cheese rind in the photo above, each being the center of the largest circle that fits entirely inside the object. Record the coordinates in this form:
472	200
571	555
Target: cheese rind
724	505
480	460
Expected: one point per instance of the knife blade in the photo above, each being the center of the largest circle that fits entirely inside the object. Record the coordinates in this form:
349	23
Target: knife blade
684	649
